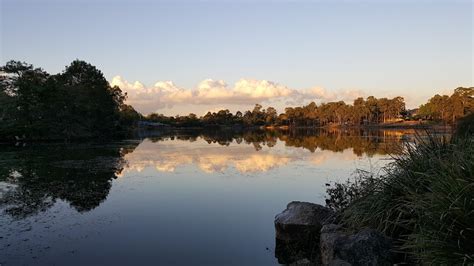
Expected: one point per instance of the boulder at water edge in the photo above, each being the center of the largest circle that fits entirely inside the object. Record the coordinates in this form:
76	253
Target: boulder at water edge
366	247
300	219
297	231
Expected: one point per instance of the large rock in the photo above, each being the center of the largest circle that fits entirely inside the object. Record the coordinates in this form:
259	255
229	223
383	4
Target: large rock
367	247
297	231
330	234
300	219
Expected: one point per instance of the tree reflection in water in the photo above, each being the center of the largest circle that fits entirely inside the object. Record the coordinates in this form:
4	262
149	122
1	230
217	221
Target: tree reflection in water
361	141
33	178
259	151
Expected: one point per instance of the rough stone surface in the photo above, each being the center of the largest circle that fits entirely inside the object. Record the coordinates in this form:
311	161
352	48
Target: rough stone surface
367	247
297	231
329	235
300	219
305	235
339	262
302	262
296	252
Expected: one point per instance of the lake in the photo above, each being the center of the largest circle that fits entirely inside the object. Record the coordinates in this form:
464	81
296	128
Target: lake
171	198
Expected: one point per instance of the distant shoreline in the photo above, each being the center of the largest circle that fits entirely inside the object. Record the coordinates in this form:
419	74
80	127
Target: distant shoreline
395	125
414	125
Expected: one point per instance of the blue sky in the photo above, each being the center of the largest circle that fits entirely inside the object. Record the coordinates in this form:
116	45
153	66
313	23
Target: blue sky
306	50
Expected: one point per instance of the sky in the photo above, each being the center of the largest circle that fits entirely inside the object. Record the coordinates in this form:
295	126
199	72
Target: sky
177	57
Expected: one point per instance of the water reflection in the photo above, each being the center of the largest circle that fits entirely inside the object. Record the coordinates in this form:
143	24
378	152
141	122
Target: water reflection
368	142
178	197
168	156
258	151
362	141
33	179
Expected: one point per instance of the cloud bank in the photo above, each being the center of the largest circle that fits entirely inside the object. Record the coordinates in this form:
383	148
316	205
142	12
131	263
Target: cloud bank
166	94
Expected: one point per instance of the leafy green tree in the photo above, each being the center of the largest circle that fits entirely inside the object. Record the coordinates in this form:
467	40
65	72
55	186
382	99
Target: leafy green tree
271	116
449	109
94	105
24	86
77	103
373	106
361	111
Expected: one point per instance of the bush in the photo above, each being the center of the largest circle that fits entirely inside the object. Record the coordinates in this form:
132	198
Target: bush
465	127
424	201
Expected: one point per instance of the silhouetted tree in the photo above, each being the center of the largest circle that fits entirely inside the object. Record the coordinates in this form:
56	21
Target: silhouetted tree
77	103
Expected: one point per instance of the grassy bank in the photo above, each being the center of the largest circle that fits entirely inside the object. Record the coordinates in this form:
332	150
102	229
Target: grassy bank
424	200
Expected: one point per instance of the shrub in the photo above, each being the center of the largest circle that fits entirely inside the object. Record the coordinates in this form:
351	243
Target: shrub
465	127
424	201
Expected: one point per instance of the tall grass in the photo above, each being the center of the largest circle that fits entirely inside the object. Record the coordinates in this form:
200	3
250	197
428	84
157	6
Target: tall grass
424	201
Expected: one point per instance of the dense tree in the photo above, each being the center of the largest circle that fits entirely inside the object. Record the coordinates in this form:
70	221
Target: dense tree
448	108
270	116
369	111
339	113
361	111
128	115
77	103
23	88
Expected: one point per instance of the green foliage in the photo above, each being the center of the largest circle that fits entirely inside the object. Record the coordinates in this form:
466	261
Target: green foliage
8	110
341	195
449	108
78	103
369	111
256	117
423	201
128	115
465	126
309	115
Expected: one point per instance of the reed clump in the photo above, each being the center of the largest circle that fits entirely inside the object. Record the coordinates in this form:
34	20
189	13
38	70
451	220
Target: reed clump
424	201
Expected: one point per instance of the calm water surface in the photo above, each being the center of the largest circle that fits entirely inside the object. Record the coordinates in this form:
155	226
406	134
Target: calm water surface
183	198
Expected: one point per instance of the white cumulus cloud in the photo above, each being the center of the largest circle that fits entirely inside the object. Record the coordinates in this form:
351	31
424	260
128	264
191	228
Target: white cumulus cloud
166	94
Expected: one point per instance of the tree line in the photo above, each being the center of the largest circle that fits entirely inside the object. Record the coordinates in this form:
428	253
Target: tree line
77	103
368	111
80	103
448	108
363	111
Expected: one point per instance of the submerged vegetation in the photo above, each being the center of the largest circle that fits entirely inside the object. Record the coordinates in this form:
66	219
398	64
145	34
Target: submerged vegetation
423	200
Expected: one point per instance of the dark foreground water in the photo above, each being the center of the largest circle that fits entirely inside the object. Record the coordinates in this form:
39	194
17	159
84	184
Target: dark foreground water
175	199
